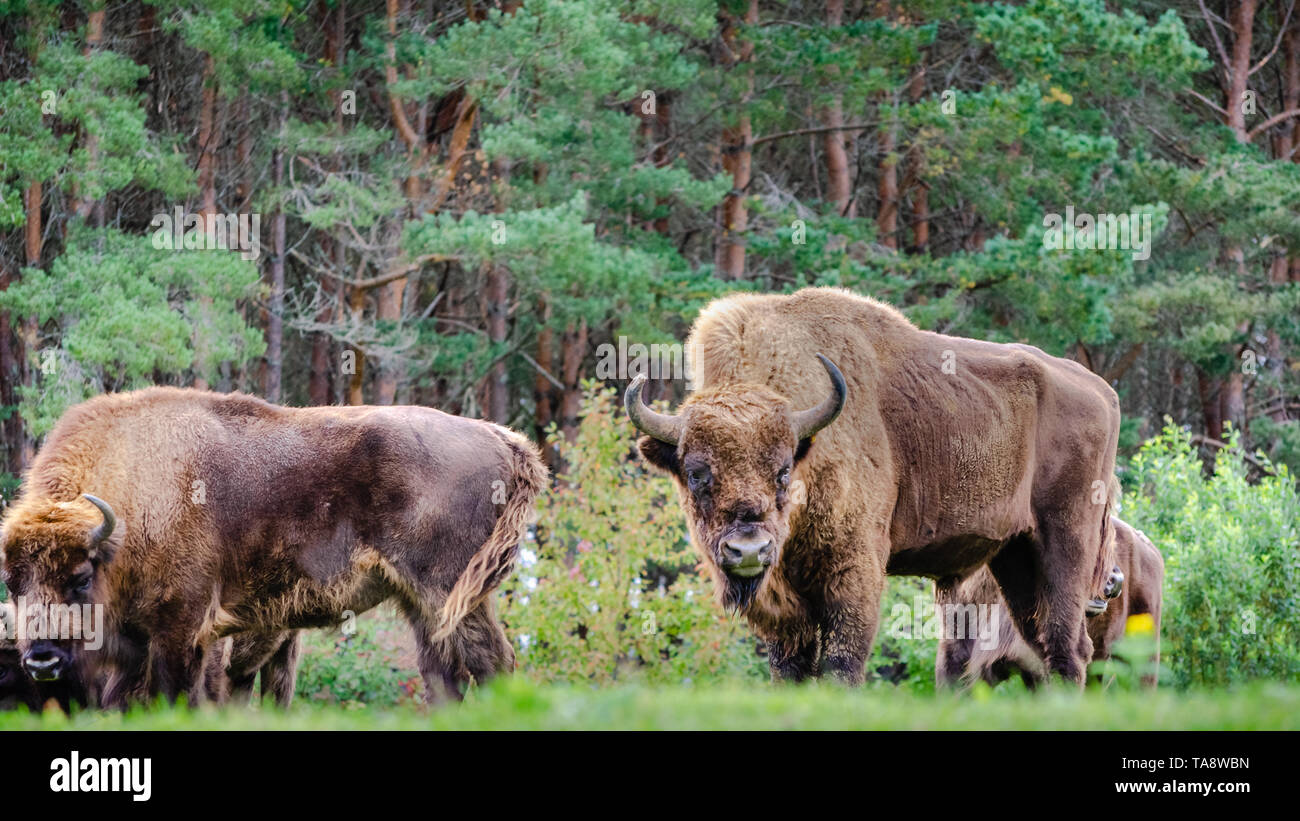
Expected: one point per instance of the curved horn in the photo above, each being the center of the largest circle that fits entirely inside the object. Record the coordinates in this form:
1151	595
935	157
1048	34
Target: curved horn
808	422
105	528
662	426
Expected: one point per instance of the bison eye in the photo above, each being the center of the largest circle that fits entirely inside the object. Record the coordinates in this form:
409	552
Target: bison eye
82	584
698	479
783	477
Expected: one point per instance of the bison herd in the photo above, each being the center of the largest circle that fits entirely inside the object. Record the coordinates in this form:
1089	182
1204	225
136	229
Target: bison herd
827	444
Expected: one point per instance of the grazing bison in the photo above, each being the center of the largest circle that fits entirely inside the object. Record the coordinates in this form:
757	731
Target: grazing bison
948	454
963	660
191	516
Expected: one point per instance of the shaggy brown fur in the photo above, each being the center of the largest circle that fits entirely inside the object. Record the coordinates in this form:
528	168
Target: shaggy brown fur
1006	462
964	660
238	516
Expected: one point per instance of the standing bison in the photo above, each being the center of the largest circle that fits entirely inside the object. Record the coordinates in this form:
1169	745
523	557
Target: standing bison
963	660
934	456
191	516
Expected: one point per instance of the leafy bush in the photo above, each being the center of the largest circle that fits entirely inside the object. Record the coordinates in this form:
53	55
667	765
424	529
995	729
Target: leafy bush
608	590
1232	560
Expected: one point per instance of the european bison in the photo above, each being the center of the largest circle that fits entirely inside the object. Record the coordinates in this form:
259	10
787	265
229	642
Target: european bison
191	516
948	454
964	660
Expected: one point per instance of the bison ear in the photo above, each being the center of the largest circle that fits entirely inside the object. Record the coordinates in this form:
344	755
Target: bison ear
660	454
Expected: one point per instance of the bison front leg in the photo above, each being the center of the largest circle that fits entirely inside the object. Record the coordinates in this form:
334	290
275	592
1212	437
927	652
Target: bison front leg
850	618
177	663
794	659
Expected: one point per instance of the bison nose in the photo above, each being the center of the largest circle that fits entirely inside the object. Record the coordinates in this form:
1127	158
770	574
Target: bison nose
1114	584
44	662
746	556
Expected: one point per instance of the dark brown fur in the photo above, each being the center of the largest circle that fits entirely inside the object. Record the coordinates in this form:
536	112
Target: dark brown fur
233	668
16	689
963	660
1007	462
237	516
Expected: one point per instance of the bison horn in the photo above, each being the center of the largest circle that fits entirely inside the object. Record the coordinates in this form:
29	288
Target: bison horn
662	426
808	422
105	529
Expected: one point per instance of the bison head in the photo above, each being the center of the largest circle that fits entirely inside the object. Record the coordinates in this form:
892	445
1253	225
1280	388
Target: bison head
53	562
733	451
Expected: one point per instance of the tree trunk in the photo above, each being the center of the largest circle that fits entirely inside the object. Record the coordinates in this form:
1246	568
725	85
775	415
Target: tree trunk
206	162
357	303
839	181
83	207
887	185
11	376
737	152
1243	23
319	388
543	391
573	351
920	190
1211	404
275	321
498	309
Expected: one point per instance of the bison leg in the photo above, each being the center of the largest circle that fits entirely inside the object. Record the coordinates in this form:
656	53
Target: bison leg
849	620
954	654
793	659
1013	569
440	666
484	645
176	667
280	672
1067	566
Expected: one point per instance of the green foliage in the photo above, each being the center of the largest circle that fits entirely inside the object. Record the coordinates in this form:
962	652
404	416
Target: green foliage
608	591
357	670
1232	561
119	312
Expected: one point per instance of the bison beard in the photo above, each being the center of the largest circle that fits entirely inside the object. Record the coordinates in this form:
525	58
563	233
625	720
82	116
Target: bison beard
948	455
962	660
219	516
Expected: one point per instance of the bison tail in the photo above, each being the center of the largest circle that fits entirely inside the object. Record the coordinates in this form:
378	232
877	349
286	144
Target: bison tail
493	562
1106	558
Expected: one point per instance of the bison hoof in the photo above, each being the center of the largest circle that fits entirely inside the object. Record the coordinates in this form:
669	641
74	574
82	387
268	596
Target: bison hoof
1095	607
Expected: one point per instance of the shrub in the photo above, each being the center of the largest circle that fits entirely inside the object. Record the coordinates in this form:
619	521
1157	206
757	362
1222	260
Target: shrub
608	589
1232	560
363	668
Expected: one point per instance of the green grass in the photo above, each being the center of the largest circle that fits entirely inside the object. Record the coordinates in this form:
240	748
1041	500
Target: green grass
517	704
